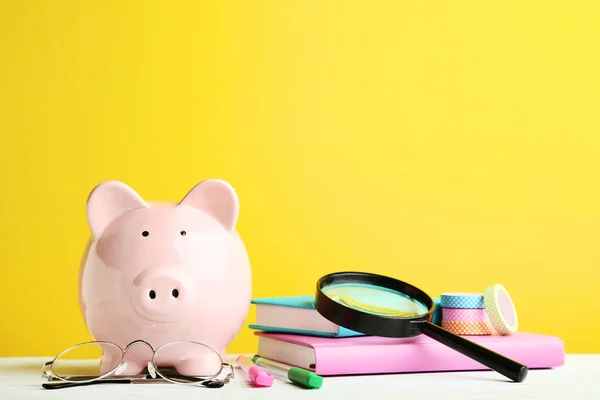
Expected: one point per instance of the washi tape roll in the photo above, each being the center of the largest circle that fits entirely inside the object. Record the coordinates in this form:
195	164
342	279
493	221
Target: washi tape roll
465	314
501	310
462	300
467	328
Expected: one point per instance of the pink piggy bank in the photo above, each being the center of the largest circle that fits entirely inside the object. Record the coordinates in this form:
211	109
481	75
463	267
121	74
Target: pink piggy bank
164	272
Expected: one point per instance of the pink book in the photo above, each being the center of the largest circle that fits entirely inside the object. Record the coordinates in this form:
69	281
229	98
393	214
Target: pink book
373	354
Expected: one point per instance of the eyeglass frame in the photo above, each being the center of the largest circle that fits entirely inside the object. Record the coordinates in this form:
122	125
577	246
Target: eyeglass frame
153	370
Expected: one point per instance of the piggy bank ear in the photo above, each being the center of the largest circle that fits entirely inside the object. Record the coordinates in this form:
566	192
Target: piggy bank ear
217	198
109	200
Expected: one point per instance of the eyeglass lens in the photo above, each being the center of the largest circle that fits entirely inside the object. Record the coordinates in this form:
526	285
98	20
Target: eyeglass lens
187	362
86	361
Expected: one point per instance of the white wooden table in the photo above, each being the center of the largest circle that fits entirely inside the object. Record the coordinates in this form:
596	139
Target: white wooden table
579	378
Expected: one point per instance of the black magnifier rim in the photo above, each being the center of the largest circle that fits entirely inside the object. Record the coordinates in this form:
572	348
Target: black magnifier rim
366	323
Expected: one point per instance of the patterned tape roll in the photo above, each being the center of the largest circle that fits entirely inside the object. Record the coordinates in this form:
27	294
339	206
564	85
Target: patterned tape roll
465	314
467	328
462	300
501	310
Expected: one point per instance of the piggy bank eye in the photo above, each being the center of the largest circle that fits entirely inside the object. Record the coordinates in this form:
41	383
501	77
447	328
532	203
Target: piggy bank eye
145	233
182	233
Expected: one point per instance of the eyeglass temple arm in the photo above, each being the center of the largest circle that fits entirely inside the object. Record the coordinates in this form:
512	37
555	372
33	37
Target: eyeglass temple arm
47	372
62	384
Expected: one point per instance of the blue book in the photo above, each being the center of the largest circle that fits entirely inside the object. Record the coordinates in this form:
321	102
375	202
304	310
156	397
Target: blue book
296	315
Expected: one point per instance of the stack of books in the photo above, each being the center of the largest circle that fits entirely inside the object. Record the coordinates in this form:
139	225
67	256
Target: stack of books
290	330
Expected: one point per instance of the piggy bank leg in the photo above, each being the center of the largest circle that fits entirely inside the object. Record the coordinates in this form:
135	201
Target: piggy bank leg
133	368
110	361
111	356
198	366
107	363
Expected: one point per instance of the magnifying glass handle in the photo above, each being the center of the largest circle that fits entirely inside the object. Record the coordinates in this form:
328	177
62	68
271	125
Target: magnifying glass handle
507	367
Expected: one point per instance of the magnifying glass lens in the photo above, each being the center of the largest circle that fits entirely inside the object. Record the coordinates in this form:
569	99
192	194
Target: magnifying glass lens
375	300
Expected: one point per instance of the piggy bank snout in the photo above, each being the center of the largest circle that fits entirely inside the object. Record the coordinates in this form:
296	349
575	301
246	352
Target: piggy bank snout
161	295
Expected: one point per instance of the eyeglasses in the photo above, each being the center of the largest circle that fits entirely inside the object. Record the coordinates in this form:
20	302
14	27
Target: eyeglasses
182	362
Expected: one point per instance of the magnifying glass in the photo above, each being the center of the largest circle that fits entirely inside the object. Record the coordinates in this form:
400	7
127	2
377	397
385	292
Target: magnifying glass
378	305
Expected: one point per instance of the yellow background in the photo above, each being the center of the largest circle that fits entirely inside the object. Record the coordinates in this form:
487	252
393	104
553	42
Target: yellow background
450	144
